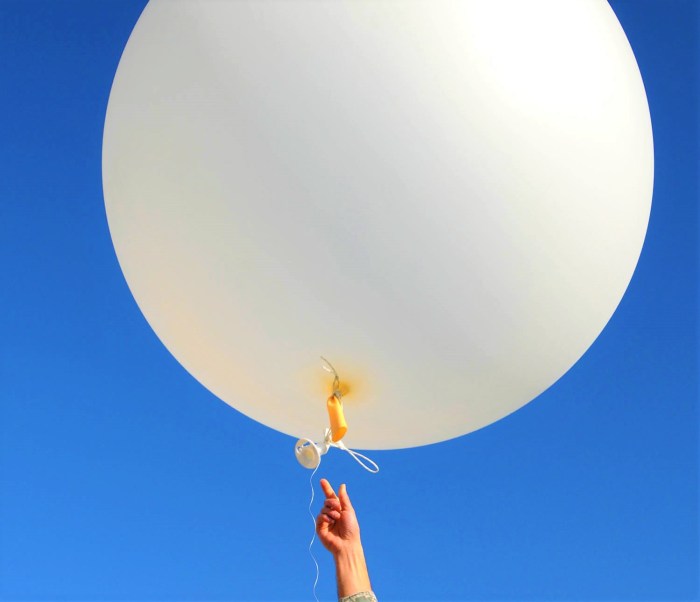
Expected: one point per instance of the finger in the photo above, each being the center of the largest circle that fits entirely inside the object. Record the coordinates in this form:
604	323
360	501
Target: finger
344	497
324	520
332	510
333	503
334	514
327	489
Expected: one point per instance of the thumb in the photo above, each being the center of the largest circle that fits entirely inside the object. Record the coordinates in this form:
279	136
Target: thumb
344	497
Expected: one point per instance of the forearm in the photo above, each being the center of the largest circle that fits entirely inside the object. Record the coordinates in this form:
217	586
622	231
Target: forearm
351	571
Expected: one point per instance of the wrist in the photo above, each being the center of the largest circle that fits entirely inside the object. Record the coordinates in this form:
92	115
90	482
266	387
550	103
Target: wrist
350	552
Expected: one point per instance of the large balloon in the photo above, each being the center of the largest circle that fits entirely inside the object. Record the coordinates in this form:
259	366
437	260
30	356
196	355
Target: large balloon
445	199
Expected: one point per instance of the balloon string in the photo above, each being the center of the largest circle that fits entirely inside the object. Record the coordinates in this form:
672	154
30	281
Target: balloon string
313	520
374	469
368	465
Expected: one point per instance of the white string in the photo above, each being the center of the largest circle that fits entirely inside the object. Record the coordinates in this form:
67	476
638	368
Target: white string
374	469
313	519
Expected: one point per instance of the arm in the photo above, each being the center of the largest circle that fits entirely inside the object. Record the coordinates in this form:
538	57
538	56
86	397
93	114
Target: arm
351	572
339	531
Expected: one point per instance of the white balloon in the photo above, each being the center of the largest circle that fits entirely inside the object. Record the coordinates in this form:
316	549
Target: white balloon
446	199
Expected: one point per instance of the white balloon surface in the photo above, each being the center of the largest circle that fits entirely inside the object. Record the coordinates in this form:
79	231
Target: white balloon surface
445	199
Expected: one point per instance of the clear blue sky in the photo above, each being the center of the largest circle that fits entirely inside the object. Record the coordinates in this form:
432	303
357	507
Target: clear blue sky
122	478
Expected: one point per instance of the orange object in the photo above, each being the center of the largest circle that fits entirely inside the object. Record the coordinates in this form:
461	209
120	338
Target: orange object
335	413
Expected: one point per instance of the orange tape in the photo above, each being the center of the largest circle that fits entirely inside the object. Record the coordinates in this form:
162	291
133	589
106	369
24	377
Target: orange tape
335	413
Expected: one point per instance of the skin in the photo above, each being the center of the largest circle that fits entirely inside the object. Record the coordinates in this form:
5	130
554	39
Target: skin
338	530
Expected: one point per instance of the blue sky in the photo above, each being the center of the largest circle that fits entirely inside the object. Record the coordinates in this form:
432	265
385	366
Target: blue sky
122	478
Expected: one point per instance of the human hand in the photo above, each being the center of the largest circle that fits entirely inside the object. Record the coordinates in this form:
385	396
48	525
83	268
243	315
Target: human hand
336	524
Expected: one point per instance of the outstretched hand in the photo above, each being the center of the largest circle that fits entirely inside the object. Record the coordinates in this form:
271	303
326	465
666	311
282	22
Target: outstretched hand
336	524
339	532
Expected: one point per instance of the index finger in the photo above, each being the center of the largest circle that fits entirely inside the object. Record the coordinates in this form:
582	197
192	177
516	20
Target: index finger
327	489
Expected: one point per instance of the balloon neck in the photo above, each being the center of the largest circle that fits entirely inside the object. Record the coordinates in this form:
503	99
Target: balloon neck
336	417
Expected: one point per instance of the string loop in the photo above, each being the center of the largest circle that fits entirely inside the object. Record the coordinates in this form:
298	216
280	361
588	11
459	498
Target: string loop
369	466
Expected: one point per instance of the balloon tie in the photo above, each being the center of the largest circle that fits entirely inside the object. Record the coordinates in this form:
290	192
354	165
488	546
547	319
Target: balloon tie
364	461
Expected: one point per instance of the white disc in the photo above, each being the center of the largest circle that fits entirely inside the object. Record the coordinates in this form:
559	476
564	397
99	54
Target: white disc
307	453
445	199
